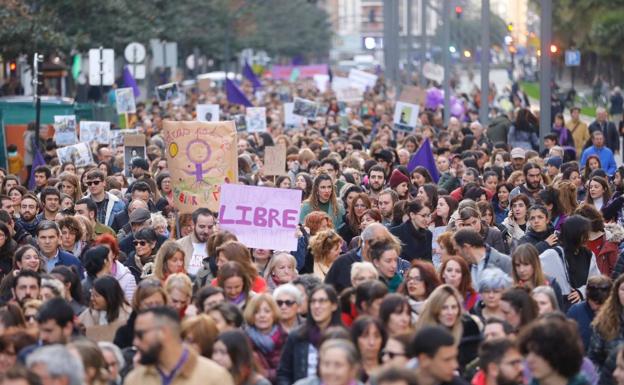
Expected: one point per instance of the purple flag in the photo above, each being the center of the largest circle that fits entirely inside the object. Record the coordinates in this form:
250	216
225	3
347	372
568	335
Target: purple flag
37	161
235	95
424	157
129	81
251	76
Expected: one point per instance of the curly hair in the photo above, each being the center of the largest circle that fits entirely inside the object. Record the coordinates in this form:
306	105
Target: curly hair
314	221
555	341
322	243
607	322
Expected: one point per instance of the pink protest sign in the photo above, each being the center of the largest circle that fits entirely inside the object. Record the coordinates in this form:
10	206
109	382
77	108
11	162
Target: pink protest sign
261	217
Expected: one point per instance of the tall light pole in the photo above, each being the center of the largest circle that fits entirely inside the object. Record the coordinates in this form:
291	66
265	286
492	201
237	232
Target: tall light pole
446	58
485	62
423	42
545	69
391	38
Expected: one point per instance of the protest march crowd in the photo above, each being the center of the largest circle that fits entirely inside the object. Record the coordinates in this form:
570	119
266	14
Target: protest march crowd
439	254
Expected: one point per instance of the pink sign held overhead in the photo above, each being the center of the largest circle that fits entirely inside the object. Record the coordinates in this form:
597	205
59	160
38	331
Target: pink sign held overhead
261	217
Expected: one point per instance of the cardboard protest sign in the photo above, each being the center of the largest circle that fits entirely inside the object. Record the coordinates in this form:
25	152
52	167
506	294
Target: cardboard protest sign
95	132
207	112
413	95
124	98
134	147
168	92
255	119
202	156
65	130
405	116
261	217
78	154
291	121
306	108
275	160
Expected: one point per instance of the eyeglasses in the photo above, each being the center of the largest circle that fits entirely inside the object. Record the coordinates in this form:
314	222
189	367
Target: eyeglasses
286	302
93	183
428	215
414	279
320	301
142	243
391	354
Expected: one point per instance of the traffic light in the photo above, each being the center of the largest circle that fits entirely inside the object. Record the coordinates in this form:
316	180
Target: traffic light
554	49
458	11
13	67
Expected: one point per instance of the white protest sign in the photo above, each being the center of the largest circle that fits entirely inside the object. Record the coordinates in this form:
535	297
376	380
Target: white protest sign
321	81
207	112
78	154
255	119
405	116
291	120
260	217
95	132
346	91
366	79
65	130
124	98
433	72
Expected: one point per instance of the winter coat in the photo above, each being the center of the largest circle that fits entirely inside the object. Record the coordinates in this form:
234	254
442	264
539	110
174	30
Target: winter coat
603	352
102	331
416	242
608	252
524	139
293	365
126	280
268	362
537	239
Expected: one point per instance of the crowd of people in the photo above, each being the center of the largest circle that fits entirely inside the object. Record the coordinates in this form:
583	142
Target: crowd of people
497	265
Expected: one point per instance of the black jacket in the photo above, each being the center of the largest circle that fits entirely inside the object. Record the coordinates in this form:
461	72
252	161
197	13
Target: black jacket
293	364
339	274
416	243
537	239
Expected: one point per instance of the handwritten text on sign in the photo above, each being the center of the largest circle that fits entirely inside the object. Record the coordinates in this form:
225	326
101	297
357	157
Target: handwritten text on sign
261	217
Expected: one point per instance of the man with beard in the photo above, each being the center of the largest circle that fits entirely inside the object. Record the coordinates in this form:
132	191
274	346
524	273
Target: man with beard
385	203
532	185
51	200
157	328
501	364
195	245
28	214
26	286
376	181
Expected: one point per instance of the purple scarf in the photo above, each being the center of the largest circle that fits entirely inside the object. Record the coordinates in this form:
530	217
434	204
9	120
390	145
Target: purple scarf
563	135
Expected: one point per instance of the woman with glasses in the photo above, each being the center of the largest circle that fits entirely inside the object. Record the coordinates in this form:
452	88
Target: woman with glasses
163	181
394	352
492	283
351	226
369	336
288	300
144	252
420	280
414	234
265	333
301	352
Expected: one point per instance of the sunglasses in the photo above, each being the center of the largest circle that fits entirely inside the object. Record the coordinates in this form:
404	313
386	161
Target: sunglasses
142	243
93	183
286	302
391	354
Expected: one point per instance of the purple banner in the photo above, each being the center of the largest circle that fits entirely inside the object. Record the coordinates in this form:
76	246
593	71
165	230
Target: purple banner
261	217
284	72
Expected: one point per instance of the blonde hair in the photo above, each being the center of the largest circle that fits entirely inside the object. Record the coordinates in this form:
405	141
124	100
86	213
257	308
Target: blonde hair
433	307
166	251
567	196
179	281
360	267
254	305
203	331
322	243
275	259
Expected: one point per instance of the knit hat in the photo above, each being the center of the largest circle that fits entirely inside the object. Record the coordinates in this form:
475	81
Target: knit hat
554	161
397	178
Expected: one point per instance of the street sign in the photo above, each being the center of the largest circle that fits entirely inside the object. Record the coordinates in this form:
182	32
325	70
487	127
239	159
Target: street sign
101	67
134	52
137	70
572	58
165	54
